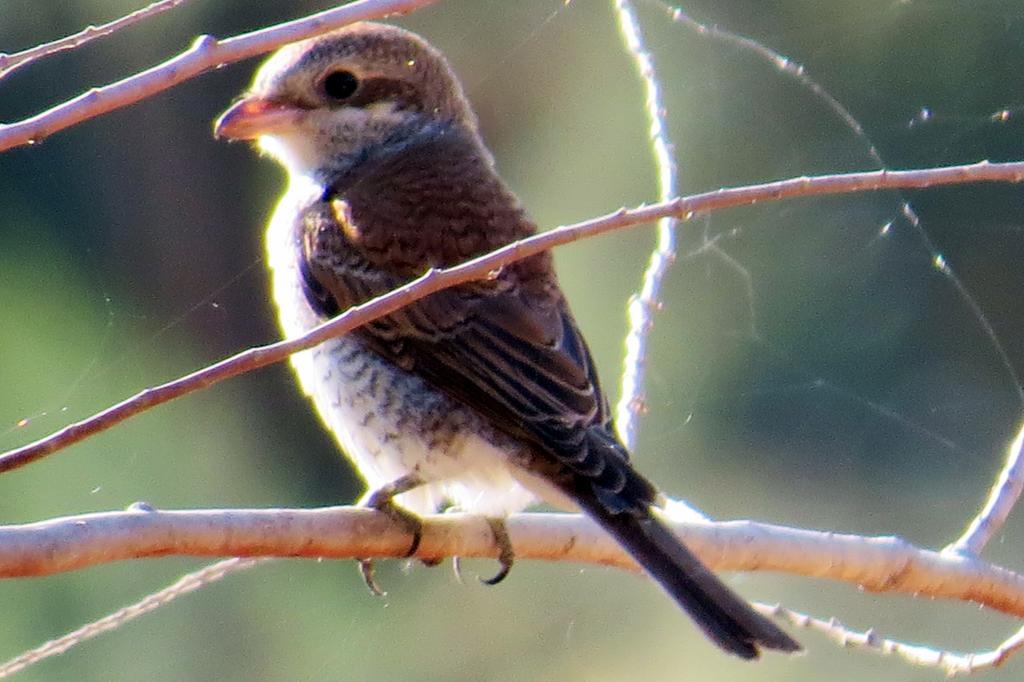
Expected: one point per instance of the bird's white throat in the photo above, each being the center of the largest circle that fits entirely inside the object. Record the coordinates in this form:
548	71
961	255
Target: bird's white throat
296	151
315	143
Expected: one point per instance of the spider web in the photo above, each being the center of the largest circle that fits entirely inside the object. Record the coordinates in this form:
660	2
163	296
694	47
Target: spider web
857	334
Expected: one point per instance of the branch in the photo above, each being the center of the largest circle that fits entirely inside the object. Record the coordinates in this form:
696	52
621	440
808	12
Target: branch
9	63
950	662
879	564
645	303
1002	498
206	53
487	265
151	602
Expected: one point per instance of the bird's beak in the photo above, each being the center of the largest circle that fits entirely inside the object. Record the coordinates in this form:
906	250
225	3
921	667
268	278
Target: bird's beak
253	116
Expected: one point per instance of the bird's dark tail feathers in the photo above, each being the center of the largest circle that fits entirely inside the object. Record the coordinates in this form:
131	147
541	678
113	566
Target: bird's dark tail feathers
725	617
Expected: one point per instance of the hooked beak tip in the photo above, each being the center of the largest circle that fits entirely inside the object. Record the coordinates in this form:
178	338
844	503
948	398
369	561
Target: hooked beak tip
252	117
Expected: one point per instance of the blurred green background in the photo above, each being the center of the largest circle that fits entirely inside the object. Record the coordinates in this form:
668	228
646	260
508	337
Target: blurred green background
811	366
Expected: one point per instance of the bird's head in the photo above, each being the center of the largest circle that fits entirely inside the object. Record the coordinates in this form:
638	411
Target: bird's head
318	103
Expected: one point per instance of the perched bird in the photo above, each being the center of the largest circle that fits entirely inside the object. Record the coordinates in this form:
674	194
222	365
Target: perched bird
483	397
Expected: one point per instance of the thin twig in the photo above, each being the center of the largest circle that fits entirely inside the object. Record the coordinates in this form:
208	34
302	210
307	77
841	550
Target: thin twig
206	53
9	63
1002	498
645	303
189	583
479	268
949	662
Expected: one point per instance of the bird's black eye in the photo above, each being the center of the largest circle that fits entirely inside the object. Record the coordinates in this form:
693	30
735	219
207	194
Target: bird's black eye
340	85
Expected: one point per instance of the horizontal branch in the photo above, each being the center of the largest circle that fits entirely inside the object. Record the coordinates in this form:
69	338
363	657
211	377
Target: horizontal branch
879	564
206	53
487	265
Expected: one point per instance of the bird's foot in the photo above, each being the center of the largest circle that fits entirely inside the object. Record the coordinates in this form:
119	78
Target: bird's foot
382	500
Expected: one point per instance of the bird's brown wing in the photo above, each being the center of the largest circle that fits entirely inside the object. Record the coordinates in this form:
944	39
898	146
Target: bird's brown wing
508	348
532	373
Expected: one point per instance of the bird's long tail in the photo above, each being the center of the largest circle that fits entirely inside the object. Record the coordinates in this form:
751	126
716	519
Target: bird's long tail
725	617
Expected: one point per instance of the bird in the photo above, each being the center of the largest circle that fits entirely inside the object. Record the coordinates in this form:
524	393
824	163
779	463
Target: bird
482	397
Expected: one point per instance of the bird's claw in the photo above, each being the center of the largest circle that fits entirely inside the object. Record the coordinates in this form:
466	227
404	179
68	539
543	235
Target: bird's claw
382	500
506	555
366	571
